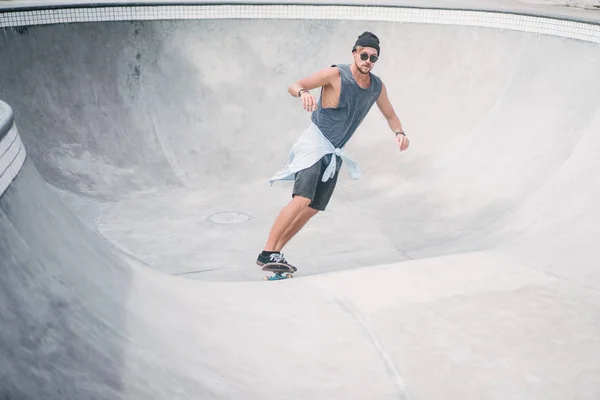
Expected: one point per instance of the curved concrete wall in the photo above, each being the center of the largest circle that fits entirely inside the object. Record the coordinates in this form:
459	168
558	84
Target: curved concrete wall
12	153
84	323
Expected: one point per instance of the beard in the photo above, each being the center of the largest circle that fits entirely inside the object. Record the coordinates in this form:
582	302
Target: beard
360	69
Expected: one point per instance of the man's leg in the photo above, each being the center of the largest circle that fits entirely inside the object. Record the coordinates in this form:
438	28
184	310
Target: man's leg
285	219
305	187
295	227
321	198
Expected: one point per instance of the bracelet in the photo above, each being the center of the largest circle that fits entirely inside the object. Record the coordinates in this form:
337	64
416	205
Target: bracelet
301	91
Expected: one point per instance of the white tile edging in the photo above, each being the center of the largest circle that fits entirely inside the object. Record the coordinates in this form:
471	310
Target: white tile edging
585	31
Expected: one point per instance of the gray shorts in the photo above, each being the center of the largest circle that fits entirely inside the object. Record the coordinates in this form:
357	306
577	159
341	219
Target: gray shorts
308	184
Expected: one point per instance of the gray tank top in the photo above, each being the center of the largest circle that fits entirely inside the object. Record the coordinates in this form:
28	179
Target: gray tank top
339	124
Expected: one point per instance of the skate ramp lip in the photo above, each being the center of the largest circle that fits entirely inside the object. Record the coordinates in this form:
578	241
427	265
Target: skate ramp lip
6	119
492	216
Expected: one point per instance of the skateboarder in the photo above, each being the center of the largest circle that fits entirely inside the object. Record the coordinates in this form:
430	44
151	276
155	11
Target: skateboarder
348	92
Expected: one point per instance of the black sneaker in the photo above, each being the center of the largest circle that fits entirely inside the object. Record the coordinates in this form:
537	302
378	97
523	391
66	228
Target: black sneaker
275	259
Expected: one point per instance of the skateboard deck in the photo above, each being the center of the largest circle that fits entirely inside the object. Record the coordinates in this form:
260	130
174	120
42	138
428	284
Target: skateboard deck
280	271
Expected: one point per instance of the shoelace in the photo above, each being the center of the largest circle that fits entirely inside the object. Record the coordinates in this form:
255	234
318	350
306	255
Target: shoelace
276	257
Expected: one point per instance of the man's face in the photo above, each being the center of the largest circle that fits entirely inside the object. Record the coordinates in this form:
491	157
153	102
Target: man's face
364	66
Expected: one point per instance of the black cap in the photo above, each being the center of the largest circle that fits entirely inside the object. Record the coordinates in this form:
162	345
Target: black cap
367	39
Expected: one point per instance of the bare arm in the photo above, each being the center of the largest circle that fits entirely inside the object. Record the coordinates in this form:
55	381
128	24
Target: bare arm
386	108
318	79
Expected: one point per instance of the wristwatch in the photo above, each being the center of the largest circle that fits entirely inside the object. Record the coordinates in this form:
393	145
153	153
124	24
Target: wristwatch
302	91
400	133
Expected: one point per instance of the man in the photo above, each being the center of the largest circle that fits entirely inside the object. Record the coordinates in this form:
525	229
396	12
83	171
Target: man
347	94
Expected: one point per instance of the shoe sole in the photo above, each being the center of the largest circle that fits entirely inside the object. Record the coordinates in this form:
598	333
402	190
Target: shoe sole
286	266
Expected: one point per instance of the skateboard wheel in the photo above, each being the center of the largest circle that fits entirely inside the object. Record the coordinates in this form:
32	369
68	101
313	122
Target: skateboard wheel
289	276
265	278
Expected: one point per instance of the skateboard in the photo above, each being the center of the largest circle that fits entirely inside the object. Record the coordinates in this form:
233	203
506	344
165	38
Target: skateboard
280	271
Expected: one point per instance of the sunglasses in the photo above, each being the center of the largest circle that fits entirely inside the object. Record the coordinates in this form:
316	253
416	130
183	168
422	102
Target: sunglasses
365	56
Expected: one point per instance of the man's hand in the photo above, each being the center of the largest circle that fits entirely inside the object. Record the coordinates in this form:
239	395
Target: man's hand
402	142
308	101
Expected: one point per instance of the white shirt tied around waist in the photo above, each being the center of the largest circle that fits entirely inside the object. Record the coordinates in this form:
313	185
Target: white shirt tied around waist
310	147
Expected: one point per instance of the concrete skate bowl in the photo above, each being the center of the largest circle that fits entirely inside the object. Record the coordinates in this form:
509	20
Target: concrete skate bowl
464	268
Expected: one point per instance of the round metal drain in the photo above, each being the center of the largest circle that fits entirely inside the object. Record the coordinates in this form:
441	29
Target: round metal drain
229	218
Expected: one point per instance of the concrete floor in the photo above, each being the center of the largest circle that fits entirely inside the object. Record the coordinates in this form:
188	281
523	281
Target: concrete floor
464	268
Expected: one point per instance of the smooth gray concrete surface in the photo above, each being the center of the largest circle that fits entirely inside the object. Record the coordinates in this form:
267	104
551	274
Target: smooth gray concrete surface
78	322
464	268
